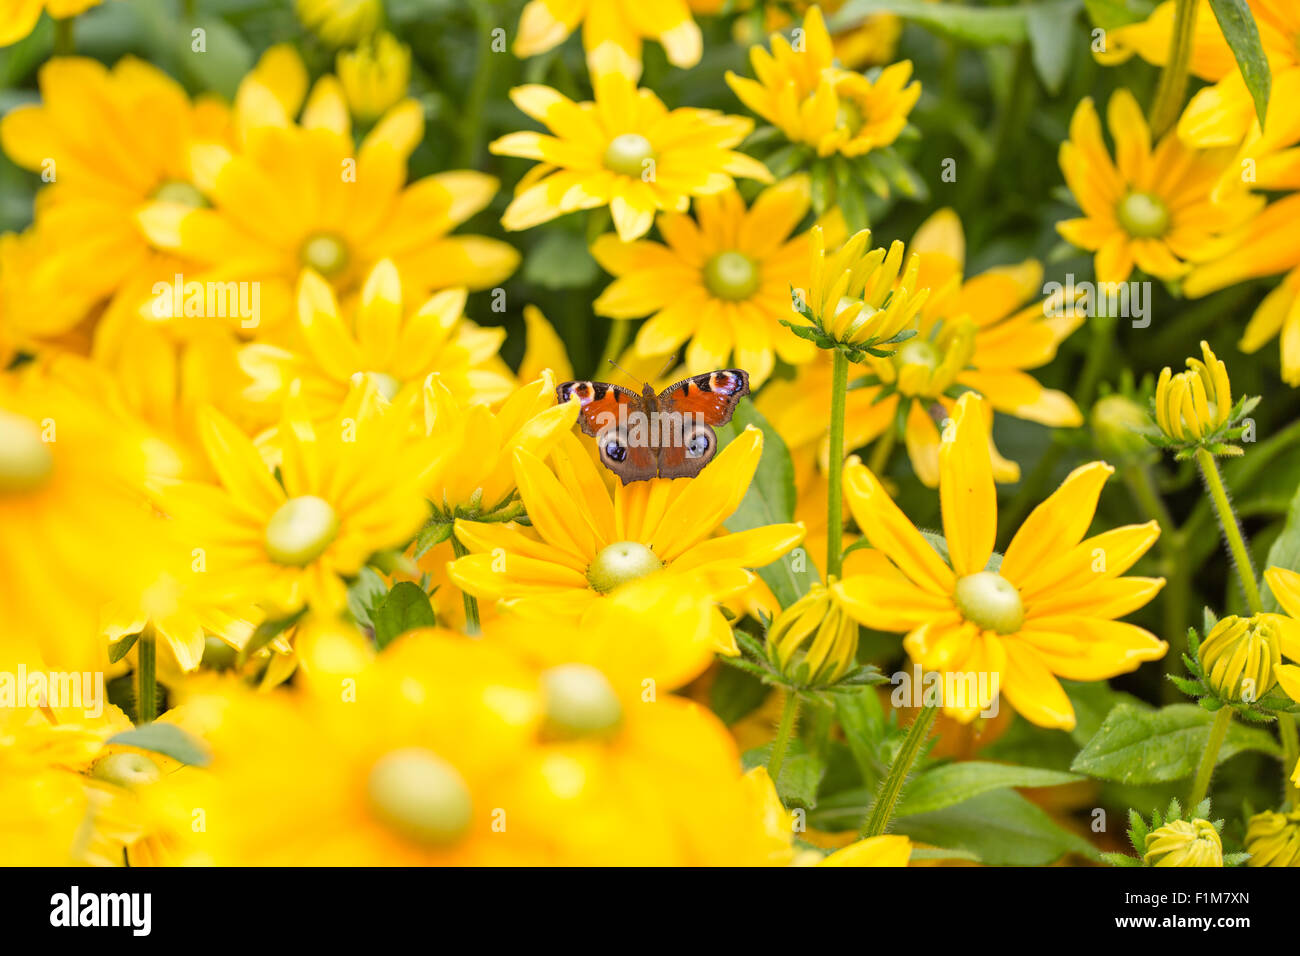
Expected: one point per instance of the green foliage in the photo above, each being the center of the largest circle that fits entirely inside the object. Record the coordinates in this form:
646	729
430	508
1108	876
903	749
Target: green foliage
405	608
166	739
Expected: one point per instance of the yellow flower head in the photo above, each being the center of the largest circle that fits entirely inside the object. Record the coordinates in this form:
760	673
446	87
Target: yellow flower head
612	31
289	542
1273	839
1194	409
1241	656
721	280
340	22
1153	208
20	19
375	75
625	150
1047	610
374	335
814	640
302	194
1184	843
1284	585
583	546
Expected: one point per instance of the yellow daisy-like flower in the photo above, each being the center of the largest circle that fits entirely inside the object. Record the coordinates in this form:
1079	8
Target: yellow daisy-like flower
288	543
625	150
302	195
374	335
1285	586
721	279
375	75
1151	207
108	142
612	31
583	545
802	93
340	22
1047	610
19	17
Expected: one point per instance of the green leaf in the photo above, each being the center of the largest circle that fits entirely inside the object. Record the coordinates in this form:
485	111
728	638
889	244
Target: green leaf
166	739
432	534
119	650
560	260
268	631
405	608
952	783
1051	40
801	772
1239	30
222	63
982	26
770	500
1285	552
364	593
1139	745
1109	14
735	694
862	719
1000	827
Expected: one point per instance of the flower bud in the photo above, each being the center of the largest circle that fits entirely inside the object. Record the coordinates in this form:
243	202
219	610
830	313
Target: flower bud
1119	427
1240	657
813	641
375	75
1273	839
1195	404
1184	843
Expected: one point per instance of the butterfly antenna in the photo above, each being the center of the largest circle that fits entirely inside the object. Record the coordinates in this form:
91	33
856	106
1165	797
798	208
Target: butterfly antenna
624	371
672	360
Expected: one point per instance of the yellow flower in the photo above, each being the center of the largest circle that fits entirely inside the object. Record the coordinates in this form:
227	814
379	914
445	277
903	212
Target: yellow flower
1273	839
375	75
1194	408
303	195
612	31
625	150
1153	208
19	17
811	101
72	487
285	544
814	633
1184	843
1047	610
721	279
583	545
1284	585
340	22
141	124
1241	656
374	335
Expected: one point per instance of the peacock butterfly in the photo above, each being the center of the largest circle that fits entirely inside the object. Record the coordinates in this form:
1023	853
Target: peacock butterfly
669	435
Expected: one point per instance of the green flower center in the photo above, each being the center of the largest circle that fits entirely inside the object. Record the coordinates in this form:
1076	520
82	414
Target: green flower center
174	190
626	154
849	116
26	463
126	769
327	254
918	351
579	702
732	276
990	601
620	563
385	384
1143	215
420	796
300	530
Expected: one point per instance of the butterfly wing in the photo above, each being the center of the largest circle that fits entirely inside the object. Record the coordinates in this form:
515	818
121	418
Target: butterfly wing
605	413
688	412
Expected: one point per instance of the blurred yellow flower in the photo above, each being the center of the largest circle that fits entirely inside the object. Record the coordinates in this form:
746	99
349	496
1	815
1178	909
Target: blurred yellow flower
1273	839
19	17
612	31
721	280
1284	585
625	150
1046	610
340	22
1153	208
375	75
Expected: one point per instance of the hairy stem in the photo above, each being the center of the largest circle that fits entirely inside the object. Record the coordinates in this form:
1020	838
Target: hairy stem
883	809
835	489
781	743
1218	731
471	602
146	694
1231	530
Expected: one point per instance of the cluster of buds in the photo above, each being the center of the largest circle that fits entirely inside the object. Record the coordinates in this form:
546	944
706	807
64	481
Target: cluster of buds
1172	839
1194	409
1273	839
860	302
811	647
1236	665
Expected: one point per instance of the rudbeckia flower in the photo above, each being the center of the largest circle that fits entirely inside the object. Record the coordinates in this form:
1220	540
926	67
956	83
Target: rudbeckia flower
1151	207
721	280
375	76
288	543
302	194
110	141
19	17
625	150
1047	610
802	93
378	335
583	545
612	31
1285	587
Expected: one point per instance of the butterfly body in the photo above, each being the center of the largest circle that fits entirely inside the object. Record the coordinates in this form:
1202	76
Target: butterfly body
665	435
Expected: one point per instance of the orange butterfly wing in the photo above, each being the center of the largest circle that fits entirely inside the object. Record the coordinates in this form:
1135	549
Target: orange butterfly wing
604	414
703	401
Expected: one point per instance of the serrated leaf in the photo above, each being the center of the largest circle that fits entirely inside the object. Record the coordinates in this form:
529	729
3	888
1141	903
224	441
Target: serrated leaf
405	608
951	783
166	739
431	535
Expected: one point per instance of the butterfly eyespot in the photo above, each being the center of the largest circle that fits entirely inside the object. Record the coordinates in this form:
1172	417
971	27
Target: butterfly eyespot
697	446
614	450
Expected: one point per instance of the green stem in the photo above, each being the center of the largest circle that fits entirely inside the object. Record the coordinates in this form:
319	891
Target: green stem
471	142
835	490
1231	530
1218	731
471	602
1171	89
883	809
65	43
1286	724
146	693
880	452
780	743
